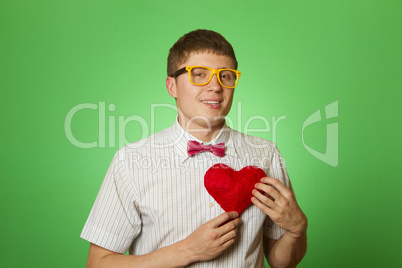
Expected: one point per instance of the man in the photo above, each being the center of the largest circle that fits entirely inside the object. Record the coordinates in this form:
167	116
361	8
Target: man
163	215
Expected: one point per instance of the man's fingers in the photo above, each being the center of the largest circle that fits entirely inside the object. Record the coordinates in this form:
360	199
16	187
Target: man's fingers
228	237
228	232
224	218
264	208
274	188
263	198
278	185
227	227
269	191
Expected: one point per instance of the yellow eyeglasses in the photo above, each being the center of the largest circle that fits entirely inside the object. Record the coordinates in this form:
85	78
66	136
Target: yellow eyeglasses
201	75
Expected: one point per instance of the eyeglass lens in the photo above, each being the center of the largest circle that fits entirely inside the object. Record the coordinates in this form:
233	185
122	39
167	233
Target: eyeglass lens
200	76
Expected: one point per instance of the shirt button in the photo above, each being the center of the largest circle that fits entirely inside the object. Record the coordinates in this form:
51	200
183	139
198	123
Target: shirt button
211	205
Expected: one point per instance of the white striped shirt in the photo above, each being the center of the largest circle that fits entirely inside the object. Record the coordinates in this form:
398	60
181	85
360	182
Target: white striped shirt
153	195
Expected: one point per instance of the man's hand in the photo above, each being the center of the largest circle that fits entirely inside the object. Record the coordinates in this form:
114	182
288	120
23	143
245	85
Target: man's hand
280	204
213	237
205	243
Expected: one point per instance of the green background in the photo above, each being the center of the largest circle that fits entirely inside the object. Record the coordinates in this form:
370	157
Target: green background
295	56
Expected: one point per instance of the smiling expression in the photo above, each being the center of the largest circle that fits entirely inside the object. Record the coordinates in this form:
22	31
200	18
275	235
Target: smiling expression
202	107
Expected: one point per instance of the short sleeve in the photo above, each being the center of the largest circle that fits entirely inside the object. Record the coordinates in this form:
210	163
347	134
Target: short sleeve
276	170
114	220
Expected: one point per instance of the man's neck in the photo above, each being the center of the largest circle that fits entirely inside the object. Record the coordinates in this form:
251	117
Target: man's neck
204	132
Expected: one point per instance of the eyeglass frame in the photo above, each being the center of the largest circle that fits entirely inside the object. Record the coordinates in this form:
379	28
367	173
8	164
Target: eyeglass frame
213	71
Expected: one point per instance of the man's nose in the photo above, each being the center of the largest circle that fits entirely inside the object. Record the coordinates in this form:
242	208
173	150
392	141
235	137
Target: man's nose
214	83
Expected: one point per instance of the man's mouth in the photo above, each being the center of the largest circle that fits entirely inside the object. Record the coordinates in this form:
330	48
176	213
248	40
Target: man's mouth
210	102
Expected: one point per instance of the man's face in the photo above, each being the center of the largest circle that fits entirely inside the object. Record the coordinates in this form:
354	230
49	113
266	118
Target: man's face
202	106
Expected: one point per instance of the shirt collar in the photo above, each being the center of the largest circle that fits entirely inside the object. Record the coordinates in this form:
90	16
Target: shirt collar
181	137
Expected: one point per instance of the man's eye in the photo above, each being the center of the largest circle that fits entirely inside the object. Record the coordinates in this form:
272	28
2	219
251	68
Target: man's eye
226	76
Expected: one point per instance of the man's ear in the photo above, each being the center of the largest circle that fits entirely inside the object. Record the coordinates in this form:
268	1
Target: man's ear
171	86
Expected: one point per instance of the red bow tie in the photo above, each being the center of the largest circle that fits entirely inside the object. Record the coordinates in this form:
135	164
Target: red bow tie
194	147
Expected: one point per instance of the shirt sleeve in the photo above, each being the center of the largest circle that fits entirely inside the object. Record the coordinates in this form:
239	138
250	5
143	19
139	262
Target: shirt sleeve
276	170
114	220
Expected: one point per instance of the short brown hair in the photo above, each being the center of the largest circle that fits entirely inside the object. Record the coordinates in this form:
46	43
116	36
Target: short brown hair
198	41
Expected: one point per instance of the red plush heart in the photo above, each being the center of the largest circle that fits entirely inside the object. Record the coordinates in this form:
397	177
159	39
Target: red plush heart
231	188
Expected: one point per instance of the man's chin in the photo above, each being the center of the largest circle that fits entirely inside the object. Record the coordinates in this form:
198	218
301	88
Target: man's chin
208	121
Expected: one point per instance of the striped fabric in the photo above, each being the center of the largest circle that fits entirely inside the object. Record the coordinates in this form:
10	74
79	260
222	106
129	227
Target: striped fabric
153	195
